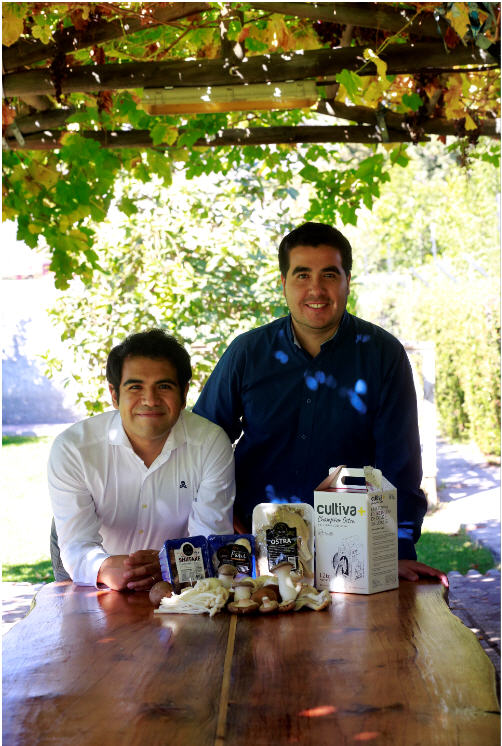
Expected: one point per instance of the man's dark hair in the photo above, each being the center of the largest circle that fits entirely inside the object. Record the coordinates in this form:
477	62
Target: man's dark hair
155	344
315	234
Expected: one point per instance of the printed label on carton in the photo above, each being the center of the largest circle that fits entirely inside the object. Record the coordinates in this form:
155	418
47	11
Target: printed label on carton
356	535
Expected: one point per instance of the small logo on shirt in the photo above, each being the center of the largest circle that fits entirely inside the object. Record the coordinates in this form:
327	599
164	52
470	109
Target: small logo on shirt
182	484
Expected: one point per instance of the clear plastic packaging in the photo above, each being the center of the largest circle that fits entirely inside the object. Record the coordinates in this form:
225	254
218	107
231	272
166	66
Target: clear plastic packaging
284	532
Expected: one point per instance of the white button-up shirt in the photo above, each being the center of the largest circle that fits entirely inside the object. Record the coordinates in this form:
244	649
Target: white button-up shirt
106	501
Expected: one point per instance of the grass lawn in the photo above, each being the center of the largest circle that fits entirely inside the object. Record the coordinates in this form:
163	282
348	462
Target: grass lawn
25	511
26	520
453	552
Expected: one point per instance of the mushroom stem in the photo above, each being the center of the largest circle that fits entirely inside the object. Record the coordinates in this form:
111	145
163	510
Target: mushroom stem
287	588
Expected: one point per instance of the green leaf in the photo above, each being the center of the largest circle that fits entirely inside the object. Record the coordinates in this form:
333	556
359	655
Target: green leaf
351	81
309	173
412	101
127	206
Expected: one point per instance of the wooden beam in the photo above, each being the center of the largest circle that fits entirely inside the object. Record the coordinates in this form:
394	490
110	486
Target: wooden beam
26	52
56	118
366	15
45	120
365	115
250	136
261	69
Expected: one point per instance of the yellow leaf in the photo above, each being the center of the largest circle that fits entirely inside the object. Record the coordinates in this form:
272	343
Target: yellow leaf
454	107
79	238
458	16
8	213
381	66
470	124
12	26
171	135
42	32
43	175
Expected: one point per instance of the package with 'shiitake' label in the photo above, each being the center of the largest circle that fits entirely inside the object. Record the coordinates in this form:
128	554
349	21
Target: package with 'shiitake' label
284	532
232	549
356	532
185	561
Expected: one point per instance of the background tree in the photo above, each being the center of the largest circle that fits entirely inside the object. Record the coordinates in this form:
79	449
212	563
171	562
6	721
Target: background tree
76	76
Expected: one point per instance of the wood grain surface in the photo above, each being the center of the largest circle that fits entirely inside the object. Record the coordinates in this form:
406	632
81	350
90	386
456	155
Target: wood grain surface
98	667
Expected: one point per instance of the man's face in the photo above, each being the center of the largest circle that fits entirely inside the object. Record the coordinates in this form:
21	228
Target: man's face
316	288
150	399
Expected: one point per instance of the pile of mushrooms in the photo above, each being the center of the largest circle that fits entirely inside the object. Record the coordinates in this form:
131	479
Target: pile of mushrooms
282	591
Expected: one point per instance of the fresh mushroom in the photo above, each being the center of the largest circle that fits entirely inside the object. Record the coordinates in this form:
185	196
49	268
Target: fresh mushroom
267	597
268	605
244	606
287	605
226	574
160	590
244	543
287	588
312	598
243	589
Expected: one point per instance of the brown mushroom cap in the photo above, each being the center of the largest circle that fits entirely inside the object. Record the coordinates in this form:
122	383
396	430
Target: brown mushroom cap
227	569
246	606
244	583
268	606
159	591
284	563
269	591
287	605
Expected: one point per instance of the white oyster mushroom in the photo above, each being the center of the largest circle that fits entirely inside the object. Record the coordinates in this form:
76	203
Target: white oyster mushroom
312	598
287	588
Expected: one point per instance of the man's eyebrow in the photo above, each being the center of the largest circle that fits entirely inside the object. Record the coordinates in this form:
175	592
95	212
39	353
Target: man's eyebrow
140	380
330	268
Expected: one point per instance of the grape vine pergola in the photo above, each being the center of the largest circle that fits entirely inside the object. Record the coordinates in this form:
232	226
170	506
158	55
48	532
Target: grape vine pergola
84	79
37	75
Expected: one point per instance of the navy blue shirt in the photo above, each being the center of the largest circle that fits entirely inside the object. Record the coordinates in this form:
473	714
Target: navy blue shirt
295	416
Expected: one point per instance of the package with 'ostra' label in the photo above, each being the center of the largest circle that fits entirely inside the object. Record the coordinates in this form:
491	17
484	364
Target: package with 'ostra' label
356	532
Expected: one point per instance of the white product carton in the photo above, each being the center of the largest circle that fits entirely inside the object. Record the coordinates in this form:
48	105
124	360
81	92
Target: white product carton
356	532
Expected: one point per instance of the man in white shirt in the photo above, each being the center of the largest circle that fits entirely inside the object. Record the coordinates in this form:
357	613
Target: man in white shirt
123	482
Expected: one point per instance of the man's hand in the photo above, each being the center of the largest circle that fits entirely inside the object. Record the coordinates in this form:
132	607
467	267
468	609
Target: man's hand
111	572
413	570
134	572
142	570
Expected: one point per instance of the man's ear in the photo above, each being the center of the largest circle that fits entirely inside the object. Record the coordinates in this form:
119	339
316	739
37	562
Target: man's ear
114	396
185	396
283	281
348	283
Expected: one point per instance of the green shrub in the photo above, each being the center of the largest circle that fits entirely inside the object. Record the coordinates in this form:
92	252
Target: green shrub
461	315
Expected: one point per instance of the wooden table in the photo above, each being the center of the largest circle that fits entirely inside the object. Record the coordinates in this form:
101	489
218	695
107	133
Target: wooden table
98	667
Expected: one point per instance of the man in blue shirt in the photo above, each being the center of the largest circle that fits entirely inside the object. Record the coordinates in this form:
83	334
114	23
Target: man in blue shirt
316	389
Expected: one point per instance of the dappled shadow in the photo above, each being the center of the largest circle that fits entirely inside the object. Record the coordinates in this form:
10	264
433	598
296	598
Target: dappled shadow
17	599
459	477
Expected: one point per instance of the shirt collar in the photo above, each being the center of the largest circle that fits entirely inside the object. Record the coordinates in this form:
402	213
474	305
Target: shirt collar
294	338
117	435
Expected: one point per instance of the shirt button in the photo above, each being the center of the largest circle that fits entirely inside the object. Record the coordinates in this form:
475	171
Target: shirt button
303	436
309	401
144	505
141	531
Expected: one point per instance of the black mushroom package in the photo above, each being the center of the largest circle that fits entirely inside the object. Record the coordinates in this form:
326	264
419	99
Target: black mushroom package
270	570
